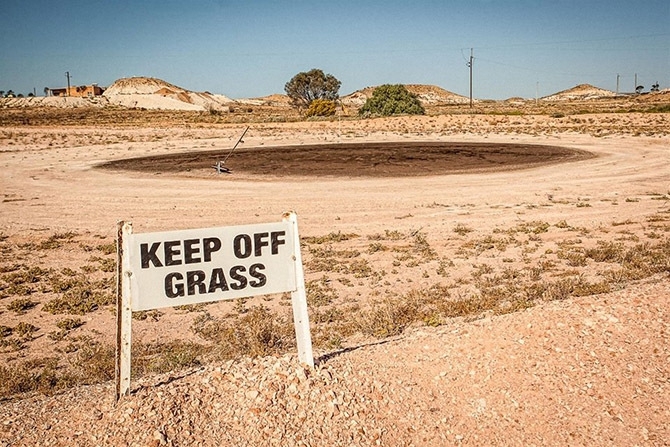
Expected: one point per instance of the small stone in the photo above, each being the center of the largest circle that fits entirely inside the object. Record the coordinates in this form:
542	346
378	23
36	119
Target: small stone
160	437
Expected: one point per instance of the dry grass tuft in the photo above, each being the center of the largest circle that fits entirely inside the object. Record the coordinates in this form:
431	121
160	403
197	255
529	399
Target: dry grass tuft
258	332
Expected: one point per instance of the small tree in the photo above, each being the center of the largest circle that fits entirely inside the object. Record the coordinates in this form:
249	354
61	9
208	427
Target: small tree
305	87
390	100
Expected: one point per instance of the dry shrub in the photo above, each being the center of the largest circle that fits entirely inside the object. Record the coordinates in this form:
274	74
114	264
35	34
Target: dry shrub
606	252
108	248
390	316
319	292
321	107
19	280
80	294
21	305
68	324
462	230
42	375
5	331
557	290
330	238
95	362
327	259
158	358
422	247
25	330
535	227
389	235
258	332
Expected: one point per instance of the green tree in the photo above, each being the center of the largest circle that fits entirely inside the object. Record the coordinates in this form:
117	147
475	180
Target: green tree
390	100
305	87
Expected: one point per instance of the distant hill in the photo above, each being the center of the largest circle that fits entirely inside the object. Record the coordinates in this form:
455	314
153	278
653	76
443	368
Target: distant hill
580	92
153	93
274	100
428	94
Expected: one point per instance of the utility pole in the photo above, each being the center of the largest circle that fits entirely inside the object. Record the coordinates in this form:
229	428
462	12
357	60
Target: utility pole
617	84
635	86
67	75
470	65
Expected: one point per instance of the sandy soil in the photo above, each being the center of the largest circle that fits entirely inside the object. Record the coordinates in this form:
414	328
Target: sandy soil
593	370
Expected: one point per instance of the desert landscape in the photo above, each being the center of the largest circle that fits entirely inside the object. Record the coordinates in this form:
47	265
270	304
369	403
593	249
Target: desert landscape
494	275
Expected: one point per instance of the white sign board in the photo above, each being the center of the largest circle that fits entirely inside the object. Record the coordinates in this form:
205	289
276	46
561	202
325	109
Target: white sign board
186	267
174	268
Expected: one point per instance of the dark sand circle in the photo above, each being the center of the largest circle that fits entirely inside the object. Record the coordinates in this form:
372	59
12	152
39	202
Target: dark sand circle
388	159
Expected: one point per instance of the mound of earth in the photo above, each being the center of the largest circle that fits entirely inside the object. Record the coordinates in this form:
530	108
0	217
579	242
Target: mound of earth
274	100
152	93
662	97
428	94
139	85
580	92
515	100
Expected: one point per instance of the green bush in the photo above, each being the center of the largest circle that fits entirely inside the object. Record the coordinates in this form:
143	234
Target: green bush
321	107
390	100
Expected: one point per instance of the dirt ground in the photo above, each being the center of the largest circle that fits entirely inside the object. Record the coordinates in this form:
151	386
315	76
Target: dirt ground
369	159
587	367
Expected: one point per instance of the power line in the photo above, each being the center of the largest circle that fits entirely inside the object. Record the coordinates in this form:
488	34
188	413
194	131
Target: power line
534	70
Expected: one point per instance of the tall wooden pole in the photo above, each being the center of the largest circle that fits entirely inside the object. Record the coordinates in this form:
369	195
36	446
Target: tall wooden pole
123	310
617	84
470	65
67	75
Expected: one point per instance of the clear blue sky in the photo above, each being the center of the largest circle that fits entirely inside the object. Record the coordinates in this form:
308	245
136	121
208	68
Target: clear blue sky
252	48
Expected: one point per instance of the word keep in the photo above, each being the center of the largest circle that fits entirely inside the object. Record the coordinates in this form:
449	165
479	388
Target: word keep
195	251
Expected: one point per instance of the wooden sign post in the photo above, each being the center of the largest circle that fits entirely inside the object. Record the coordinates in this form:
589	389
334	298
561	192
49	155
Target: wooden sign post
175	268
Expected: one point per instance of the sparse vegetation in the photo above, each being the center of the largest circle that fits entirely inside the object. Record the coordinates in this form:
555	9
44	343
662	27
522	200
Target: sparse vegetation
345	265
